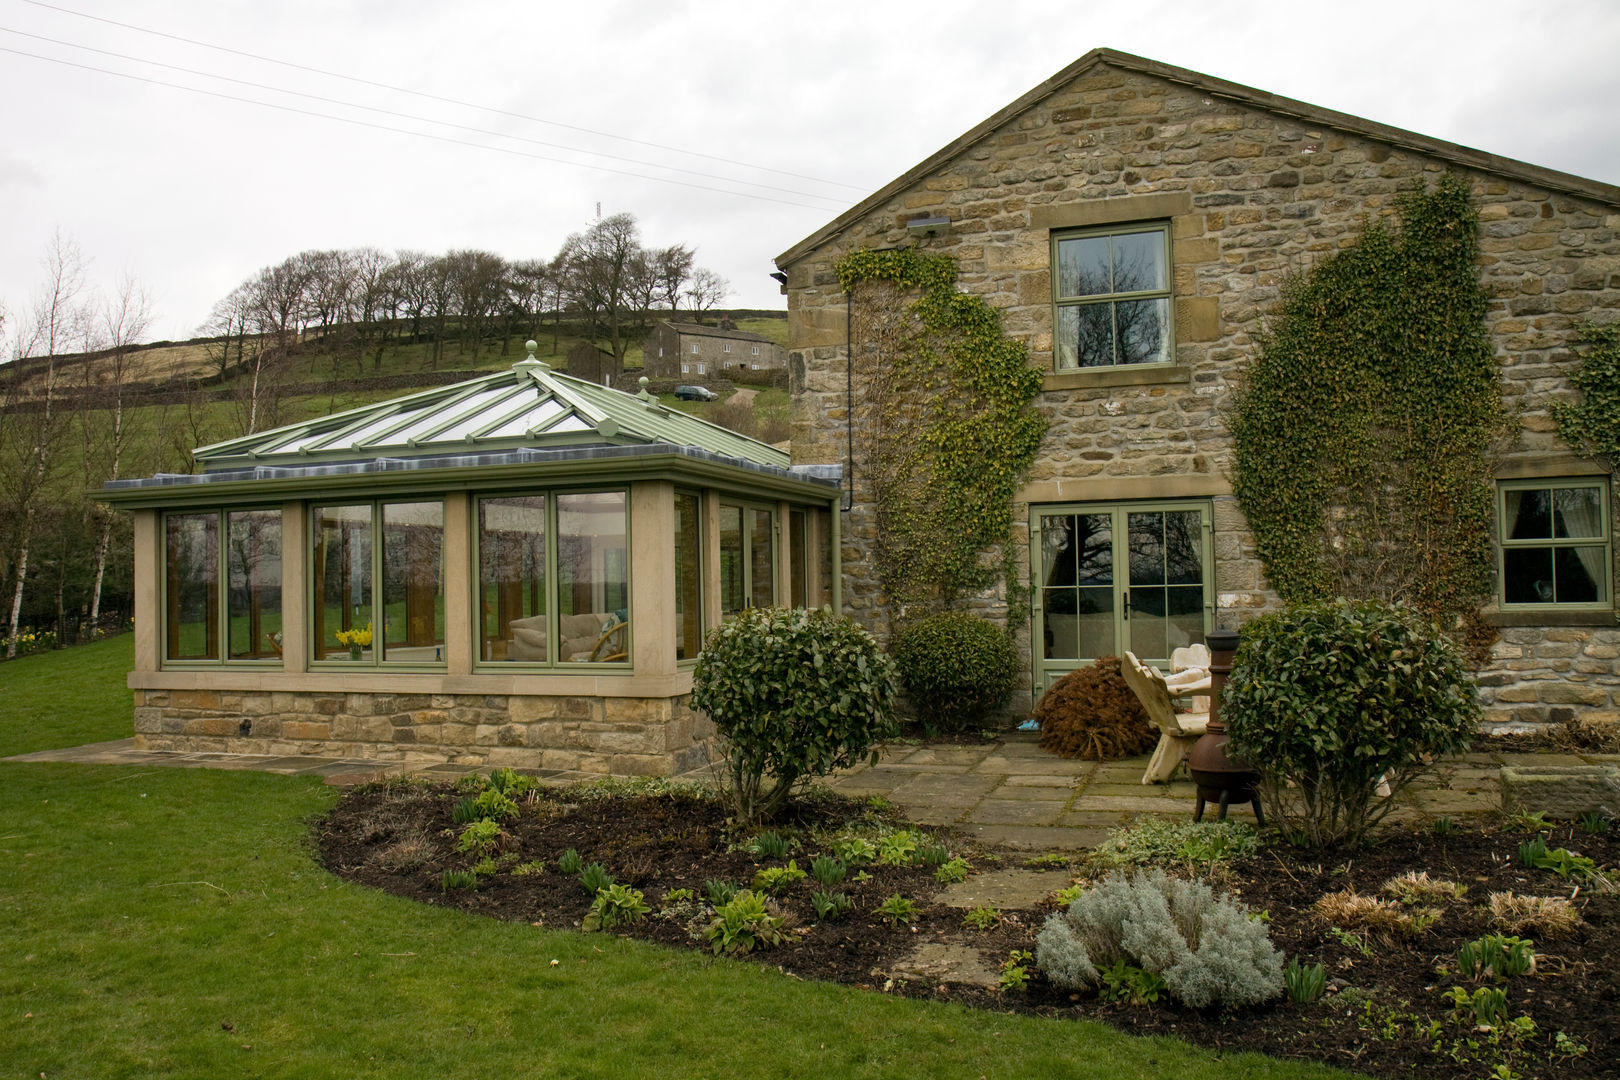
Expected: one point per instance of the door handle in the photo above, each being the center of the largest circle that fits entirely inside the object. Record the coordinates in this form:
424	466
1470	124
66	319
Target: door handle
1125	603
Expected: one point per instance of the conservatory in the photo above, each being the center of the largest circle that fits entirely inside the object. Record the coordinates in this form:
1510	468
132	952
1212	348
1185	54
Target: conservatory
513	570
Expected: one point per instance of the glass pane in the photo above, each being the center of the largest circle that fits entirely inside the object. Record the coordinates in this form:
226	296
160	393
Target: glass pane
1085	336
1060	624
1146	532
1183	547
1096	619
341	582
512	579
688	579
1148	624
593	584
1578	513
824	552
1057	549
413	582
731	560
1185	617
798	541
1094	543
253	574
1529	514
1083	266
1527	574
191	563
762	559
1579	575
1139	263
1143	326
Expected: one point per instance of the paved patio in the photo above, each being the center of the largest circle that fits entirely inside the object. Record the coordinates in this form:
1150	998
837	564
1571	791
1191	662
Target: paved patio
1008	793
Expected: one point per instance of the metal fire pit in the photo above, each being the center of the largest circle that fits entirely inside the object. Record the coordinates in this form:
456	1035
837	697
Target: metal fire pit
1221	779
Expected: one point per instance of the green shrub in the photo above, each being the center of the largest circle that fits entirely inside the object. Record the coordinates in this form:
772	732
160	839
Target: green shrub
1155	840
830	906
1327	699
615	905
1208	951
948	873
480	837
494	804
742	924
773	879
595	878
827	870
794	694
957	669
896	910
854	850
897	848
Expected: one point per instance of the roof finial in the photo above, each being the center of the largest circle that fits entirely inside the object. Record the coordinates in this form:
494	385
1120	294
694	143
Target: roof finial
644	395
531	362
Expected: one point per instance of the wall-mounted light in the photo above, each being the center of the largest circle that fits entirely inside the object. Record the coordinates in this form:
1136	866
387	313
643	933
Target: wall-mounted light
928	226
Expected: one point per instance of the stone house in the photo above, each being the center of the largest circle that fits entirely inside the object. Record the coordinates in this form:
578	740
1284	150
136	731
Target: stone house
593	364
1169	207
689	351
513	570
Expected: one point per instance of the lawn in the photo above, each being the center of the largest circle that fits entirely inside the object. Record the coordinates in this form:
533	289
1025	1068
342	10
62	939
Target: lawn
172	922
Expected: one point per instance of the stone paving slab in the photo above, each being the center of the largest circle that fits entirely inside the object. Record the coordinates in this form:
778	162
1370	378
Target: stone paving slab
1037	837
1006	889
937	962
1015	812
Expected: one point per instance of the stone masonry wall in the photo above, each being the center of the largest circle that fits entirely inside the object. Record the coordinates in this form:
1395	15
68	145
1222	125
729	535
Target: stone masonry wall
1252	197
621	736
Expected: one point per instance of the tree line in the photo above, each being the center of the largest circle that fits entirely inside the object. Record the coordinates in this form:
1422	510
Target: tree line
70	417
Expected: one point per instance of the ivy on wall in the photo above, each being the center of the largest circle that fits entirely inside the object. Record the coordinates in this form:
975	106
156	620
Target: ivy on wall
1366	426
945	424
1592	426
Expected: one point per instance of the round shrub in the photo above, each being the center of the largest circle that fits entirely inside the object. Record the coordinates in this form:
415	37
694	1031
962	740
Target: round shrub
1090	713
1329	699
956	668
794	694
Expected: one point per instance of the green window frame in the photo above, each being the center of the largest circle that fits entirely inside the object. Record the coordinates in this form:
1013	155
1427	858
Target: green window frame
1111	303
550	638
747	556
373	564
238	611
1554	547
1112	577
691	620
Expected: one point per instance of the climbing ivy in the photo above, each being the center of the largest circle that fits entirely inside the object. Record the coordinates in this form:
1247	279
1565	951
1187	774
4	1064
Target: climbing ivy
1366	426
1592	426
945	422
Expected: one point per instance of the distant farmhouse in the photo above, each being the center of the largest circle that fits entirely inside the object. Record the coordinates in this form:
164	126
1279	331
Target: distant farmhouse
593	364
686	350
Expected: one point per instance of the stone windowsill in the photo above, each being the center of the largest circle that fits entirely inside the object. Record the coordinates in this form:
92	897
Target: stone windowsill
1135	375
1544	617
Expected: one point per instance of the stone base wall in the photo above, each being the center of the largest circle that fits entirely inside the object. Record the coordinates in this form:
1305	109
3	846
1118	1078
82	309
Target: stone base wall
1540	675
619	736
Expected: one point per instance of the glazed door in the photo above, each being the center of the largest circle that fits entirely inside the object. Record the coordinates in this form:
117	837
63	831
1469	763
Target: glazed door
1115	577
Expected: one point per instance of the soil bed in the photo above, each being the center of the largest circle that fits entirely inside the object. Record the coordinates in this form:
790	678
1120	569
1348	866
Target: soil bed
1385	1014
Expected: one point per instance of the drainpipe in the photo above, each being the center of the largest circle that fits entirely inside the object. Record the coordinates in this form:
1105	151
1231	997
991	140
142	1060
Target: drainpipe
849	396
837	561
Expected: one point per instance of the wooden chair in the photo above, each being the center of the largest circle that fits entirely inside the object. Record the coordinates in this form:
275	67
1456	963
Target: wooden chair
614	644
1177	730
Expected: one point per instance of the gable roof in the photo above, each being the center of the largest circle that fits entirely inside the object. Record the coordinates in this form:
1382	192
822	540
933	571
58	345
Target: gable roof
699	330
529	406
1244	95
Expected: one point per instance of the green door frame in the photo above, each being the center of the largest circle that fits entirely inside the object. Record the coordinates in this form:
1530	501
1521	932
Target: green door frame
1043	671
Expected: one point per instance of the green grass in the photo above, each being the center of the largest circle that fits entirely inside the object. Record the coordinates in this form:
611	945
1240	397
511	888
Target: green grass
173	923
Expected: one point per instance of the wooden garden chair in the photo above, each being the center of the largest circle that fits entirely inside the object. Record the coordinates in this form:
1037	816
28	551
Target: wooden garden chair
1177	730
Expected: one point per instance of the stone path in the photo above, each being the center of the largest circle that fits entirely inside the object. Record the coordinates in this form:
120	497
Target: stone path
1009	793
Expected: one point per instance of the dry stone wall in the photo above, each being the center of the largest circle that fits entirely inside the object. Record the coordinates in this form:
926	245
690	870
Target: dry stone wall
1252	196
619	736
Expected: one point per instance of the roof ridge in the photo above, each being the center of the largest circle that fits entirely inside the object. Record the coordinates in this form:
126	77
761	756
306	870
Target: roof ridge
1466	156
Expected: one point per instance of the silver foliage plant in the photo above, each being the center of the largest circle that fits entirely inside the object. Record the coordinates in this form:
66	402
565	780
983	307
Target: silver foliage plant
1207	950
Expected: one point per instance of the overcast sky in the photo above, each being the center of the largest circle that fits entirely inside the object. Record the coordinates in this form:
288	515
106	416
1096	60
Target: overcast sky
502	124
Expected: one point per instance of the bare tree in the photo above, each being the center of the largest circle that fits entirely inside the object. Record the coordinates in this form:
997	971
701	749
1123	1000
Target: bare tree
706	290
603	265
478	279
34	428
124	320
672	269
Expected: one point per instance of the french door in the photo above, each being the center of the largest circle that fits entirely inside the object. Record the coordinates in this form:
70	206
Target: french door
1116	577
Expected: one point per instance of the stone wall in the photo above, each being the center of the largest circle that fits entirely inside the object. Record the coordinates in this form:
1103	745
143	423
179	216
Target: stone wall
1252	196
621	736
1548	675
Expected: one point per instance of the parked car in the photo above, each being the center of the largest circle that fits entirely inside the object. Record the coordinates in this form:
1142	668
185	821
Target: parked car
695	393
